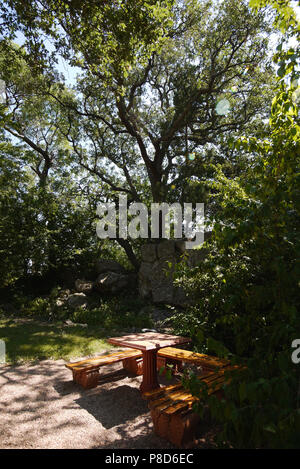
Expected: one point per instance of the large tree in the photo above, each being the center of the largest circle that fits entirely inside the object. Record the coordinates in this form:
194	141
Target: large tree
151	115
133	119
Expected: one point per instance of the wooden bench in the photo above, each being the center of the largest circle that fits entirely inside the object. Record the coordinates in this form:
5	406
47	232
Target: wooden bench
86	372
175	356
171	408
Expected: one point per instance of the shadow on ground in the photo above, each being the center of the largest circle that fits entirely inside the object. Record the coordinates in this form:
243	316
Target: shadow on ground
41	407
101	405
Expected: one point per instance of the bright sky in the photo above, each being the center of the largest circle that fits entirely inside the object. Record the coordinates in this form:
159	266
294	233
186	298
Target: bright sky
295	5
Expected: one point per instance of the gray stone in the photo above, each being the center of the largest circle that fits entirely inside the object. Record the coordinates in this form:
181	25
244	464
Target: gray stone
83	286
162	294
166	249
156	273
145	274
64	293
70	323
148	253
159	315
77	299
162	281
163	271
180	246
179	297
111	282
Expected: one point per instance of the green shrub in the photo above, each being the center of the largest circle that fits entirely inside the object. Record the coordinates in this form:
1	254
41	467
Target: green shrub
38	308
114	314
246	293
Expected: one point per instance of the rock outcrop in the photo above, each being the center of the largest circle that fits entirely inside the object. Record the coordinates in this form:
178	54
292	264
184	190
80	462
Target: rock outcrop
156	272
112	282
84	286
77	299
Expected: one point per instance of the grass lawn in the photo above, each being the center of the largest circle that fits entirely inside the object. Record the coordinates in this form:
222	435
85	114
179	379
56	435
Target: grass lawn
29	340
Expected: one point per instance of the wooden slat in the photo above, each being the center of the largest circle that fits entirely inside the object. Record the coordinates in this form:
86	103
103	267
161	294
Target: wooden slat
162	393
192	357
168	399
172	399
183	404
187	402
151	395
91	363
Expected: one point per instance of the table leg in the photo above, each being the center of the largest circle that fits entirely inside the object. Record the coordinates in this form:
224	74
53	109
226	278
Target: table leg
149	371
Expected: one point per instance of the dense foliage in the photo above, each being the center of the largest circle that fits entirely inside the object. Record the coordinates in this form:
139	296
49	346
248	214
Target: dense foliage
130	130
246	293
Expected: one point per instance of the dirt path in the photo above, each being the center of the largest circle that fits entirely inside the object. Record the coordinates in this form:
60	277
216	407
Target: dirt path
41	407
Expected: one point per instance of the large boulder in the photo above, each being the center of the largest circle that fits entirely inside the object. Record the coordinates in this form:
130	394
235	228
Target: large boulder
166	249
145	275
111	282
162	281
156	272
196	256
83	286
77	299
180	246
148	252
107	265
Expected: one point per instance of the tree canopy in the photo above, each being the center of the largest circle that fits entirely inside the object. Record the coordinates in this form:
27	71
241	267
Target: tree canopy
145	101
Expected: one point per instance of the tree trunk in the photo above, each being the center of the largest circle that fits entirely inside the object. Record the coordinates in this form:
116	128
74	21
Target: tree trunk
124	243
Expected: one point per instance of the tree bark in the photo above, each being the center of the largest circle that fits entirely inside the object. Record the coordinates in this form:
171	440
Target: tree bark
124	243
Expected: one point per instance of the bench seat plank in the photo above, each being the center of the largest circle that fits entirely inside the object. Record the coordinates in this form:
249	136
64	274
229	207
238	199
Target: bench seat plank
175	401
151	395
192	357
102	360
86	372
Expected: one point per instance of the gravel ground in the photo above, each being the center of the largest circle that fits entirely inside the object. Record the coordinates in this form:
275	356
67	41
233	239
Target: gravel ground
41	407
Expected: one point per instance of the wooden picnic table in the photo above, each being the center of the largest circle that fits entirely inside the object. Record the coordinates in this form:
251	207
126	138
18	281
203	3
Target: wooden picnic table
149	343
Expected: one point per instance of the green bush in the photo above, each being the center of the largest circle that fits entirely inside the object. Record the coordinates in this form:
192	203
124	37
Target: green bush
246	292
38	308
110	313
114	314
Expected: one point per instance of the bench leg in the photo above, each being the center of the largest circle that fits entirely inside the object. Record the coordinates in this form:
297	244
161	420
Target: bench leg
133	365
160	423
179	429
164	362
178	366
87	379
182	428
161	363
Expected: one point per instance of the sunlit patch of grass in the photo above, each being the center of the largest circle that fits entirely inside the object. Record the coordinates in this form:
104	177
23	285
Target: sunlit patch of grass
32	341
